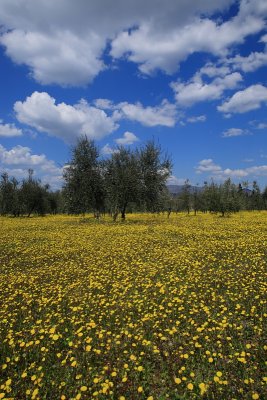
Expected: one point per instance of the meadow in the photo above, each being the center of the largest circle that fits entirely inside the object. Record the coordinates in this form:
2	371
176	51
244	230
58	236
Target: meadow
150	308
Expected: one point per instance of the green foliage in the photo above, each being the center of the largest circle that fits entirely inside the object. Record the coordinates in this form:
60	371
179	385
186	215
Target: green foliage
9	201
83	189
122	180
155	170
33	196
136	177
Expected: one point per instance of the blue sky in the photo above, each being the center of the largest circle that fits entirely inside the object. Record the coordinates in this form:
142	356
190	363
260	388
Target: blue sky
191	75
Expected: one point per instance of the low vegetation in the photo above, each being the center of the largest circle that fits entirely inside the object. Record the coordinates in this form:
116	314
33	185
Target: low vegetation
150	308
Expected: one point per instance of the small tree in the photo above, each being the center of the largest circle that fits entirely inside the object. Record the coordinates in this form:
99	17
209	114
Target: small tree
9	201
186	196
256	198
33	196
196	200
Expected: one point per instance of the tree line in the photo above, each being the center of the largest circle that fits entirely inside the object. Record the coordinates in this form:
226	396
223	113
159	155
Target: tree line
128	180
27	197
223	198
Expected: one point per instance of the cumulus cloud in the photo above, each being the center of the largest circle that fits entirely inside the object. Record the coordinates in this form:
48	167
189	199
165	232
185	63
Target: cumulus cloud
235	132
153	49
128	138
214	170
207	165
196	90
211	70
9	130
64	121
104	104
164	114
61	58
63	42
245	100
19	159
68	122
249	63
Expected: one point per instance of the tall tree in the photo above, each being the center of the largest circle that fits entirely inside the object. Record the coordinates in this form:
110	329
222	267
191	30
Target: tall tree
83	188
122	180
155	170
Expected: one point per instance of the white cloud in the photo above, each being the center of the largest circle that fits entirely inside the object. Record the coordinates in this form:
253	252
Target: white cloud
258	125
9	130
104	104
212	70
234	173
164	114
61	57
173	180
22	156
68	122
63	41
128	138
245	100
64	121
19	159
108	150
260	170
250	63
235	132
194	91
199	118
153	48
207	165
262	125
217	172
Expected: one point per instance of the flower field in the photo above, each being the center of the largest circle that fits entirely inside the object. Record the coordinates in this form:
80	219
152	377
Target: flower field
152	308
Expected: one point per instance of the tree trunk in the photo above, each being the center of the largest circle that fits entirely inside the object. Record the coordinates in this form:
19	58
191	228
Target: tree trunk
123	211
115	215
31	210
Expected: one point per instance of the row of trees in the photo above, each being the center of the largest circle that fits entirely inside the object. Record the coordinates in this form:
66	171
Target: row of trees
27	197
128	180
135	178
223	198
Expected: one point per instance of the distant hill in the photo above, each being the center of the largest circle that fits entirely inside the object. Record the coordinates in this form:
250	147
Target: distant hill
247	191
178	189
